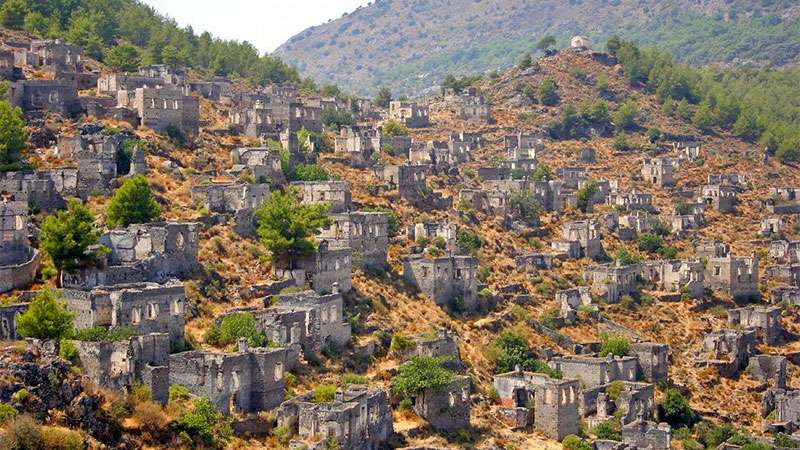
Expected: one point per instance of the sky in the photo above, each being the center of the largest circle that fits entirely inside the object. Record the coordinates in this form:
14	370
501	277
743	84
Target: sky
264	23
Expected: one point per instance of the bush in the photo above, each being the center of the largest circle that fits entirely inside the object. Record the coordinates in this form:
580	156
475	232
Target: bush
547	93
307	172
624	257
676	408
13	136
419	374
400	344
236	326
67	235
205	423
133	202
525	205
150	417
511	349
333	118
573	442
68	351
783	440
102	334
177	393
586	193
7	412
607	430
46	318
620	143
392	128
648	242
614	389
351	378
22	433
614	344
468	242
626	115
324	393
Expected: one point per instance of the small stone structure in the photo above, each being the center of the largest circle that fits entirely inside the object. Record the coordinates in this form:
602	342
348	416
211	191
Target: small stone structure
785	251
772	227
727	350
263	163
239	200
409	114
97	155
366	233
432	230
155	252
42	189
40	96
631	201
766	320
410	182
147	307
246	381
111	83
533	261
676	276
612	281
323	321
120	365
768	368
359	418
721	197
735	275
658	171
446	408
335	193
359	144
19	261
785	294
552	403
647	435
783	200
570	300
582	239
164	109
451	281
523	145
8	320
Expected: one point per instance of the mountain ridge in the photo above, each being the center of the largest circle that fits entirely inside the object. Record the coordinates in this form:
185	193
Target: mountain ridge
389	42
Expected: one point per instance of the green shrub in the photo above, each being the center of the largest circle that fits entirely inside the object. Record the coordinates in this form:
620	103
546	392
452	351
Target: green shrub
351	378
205	424
235	326
614	344
46	318
648	242
626	115
614	389
324	393
102	334
68	351
7	412
22	433
400	344
547	94
393	128
133	202
676	408
178	392
468	242
573	442
419	374
67	235
607	430
624	257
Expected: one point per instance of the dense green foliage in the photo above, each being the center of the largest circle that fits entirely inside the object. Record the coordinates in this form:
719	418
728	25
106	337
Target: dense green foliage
573	442
468	242
101	26
67	235
46	318
510	350
419	374
287	227
133	202
607	430
234	327
676	408
324	393
335	118
383	98
614	344
547	94
393	128
525	206
13	136
204	425
585	194
459	84
103	334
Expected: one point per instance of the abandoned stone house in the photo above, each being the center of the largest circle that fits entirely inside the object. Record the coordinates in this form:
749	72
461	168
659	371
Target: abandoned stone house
335	193
8	320
441	343
571	177
410	114
629	226
8	68
264	164
98	161
19	261
785	294
645	434
595	372
146	307
171	74
770	369
613	281
727	350
469	105
571	300
531	262
719	196
36	97
676	276
153	252
245	381
765	320
587	155
631	201
111	83
633	401
121	365
41	189
783	273
783	200
550	405
523	145
772	227
735	275
164	109
328	270
431	230
581	239
451	281
784	251
410	182
62	61
687	150
358	418
218	89
366	233
239	200
735	180
359	144
446	408
785	403
680	226
658	171
258	119
472	138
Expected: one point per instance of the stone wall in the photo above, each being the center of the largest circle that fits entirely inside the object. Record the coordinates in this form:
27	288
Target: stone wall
18	260
446	408
8	320
449	280
366	233
40	96
335	193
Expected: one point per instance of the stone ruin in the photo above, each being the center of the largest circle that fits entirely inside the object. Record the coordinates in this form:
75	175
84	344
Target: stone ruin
245	381
263	163
152	252
785	294
36	97
645	434
328	270
40	190
146	307
676	276
111	83
409	114
785	403
8	320
469	104
239	200
533	261
631	201
120	365
359	144
571	177
446	408
321	323
411	184
727	350
98	160
765	320
720	197
62	61
164	109
335	193
523	145
784	273
366	233
451	281
432	230
633	401
441	343
689	151
613	281
658	171
581	239
772	227
784	251
570	300
587	155
735	275
769	369
218	89
550	405
19	261
358	418
784	200
737	181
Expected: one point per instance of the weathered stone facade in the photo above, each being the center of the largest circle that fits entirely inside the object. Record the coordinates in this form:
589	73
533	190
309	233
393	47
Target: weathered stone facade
644	434
335	193
613	281
329	270
409	114
765	320
735	275
263	163
40	96
770	369
111	83
366	233
359	418
570	300
631	201
451	281
240	200
727	350
163	109
41	190
587	236
658	171
18	260
447	407
676	276
247	381
8	320
719	196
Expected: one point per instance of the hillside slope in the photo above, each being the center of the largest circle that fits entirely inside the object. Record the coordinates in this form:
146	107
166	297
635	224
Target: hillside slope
412	44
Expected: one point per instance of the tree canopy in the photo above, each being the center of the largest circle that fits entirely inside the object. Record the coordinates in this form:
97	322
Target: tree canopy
46	318
133	202
67	236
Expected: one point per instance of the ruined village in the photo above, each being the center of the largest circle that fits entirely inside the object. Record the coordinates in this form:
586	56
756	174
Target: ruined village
333	272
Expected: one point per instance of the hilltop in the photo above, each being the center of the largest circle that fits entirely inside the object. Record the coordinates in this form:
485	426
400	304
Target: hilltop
411	45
